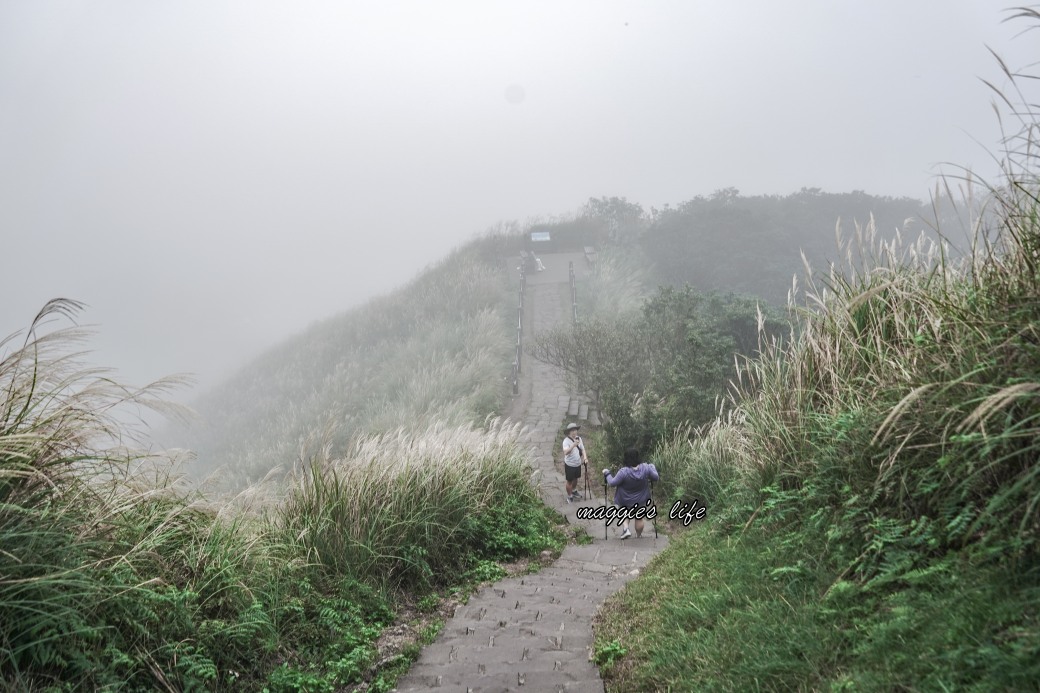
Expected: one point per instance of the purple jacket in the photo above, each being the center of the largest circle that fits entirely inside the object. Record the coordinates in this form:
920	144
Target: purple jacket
633	484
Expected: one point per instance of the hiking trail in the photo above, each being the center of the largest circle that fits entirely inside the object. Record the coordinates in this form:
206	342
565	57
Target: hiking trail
534	632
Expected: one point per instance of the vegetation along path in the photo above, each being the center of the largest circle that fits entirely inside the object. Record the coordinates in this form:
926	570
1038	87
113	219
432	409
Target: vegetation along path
534	632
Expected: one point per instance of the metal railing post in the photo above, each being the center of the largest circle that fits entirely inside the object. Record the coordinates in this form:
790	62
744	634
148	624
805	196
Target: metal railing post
574	294
519	338
517	356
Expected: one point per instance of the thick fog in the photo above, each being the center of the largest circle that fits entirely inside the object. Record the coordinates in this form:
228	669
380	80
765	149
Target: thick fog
212	176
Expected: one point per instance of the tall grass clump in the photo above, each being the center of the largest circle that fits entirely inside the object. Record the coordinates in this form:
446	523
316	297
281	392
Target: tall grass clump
406	508
92	558
709	464
915	385
887	536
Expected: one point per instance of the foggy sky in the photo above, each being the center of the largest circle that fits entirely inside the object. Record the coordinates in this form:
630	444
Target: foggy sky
212	176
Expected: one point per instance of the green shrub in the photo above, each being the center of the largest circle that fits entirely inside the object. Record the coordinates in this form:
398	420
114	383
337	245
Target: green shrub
663	368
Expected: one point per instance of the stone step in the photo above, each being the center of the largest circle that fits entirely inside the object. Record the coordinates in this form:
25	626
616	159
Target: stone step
572	408
560	680
583	412
504	650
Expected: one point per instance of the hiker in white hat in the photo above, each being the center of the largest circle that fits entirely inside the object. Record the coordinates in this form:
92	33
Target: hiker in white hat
573	457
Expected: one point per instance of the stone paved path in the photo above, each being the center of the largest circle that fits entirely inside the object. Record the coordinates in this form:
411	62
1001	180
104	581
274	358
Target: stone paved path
534	632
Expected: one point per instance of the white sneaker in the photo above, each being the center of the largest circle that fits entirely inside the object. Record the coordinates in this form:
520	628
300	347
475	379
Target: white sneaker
626	533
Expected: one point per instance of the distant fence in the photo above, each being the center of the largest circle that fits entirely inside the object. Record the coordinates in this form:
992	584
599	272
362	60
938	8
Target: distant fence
519	329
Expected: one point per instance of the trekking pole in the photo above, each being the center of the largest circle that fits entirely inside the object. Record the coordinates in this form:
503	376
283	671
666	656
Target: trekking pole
654	518
606	520
588	484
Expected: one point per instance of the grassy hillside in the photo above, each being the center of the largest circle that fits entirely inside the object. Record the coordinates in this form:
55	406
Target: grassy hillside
874	492
753	245
436	350
762	238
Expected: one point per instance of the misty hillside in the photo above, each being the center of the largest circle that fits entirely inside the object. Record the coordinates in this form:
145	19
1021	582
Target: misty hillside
439	348
753	245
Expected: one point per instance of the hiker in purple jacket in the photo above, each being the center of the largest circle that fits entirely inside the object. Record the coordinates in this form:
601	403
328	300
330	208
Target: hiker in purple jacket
633	486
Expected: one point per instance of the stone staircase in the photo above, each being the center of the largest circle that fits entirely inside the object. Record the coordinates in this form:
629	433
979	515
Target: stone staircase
579	410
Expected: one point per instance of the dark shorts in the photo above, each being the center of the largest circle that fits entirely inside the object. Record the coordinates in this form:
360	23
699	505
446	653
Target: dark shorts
571	473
